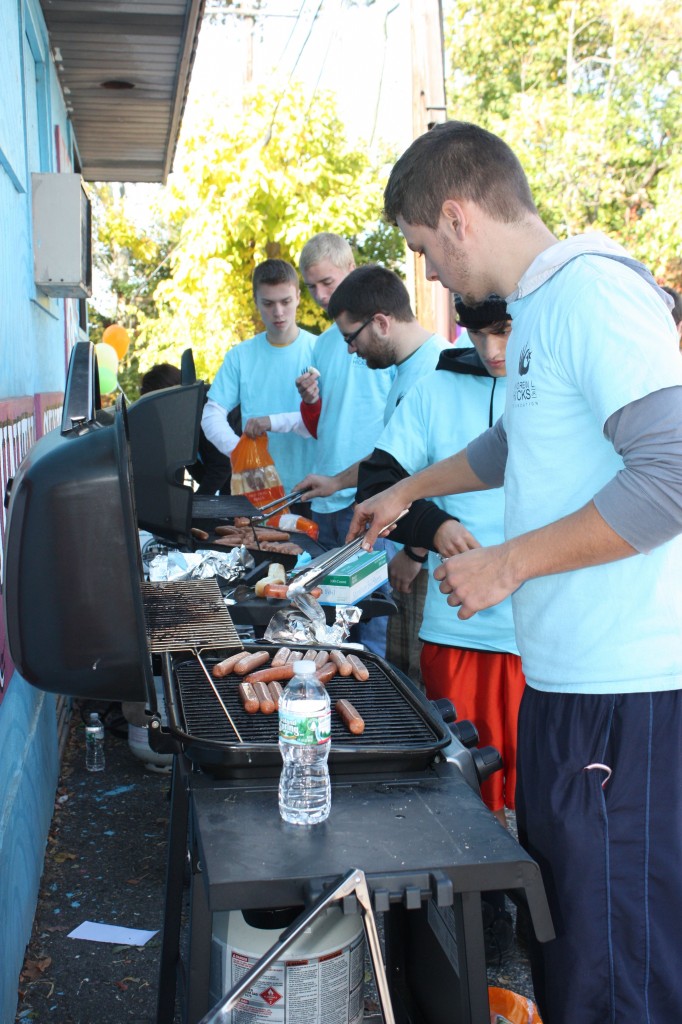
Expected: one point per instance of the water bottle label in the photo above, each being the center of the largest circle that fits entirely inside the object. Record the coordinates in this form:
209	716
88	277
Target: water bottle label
308	729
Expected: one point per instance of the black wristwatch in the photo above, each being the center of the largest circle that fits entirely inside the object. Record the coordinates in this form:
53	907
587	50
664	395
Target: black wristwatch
415	558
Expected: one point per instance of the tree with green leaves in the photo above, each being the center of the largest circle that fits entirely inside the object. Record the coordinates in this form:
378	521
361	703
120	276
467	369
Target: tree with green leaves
254	182
130	254
588	95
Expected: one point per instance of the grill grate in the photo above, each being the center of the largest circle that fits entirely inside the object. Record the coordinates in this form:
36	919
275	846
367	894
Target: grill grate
187	616
391	721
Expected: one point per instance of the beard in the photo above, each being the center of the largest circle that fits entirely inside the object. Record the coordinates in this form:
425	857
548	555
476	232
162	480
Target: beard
379	354
460	276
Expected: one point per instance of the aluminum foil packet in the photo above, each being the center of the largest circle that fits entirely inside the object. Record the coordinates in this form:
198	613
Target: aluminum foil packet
201	565
307	623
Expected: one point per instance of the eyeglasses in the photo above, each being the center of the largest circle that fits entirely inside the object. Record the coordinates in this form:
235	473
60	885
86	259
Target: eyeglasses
350	338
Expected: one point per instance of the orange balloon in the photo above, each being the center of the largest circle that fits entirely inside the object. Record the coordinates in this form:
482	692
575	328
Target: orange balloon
118	338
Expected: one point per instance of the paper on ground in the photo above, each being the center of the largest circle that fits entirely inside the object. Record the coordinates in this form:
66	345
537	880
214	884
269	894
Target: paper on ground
94	932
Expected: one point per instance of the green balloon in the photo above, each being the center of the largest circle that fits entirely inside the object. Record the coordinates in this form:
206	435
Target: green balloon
107	356
108	380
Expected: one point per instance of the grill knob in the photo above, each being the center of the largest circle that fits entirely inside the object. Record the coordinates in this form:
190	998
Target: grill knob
466	732
487	761
445	708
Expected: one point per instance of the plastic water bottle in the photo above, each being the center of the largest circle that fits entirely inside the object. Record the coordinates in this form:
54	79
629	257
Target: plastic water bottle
94	743
305	794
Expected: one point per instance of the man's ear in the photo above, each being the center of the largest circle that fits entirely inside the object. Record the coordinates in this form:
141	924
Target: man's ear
383	322
454	213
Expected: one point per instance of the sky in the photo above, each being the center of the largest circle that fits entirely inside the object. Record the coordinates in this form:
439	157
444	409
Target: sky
356	49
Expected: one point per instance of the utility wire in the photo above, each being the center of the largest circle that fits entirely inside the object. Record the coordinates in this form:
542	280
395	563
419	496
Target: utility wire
268	134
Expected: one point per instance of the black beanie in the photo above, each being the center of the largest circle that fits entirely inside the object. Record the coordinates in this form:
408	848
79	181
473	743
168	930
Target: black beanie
492	311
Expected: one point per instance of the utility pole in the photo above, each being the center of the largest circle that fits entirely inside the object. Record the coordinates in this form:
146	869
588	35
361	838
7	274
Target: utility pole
433	302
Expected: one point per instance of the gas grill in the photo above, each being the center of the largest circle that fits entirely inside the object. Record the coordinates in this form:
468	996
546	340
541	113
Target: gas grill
81	621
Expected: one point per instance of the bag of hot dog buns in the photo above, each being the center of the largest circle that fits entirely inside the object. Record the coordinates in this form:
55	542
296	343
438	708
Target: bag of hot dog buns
253	471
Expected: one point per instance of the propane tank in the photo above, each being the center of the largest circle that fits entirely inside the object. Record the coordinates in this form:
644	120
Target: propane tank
320	979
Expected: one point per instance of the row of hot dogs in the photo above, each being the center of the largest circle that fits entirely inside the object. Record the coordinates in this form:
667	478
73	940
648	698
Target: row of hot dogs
261	688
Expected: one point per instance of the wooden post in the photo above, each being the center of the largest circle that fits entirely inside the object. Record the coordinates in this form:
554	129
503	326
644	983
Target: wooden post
433	302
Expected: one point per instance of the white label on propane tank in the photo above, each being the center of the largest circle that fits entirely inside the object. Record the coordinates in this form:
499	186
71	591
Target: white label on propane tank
315	990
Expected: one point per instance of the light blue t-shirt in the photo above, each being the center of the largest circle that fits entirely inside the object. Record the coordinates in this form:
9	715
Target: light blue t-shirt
592	339
262	377
352	416
438	417
412	369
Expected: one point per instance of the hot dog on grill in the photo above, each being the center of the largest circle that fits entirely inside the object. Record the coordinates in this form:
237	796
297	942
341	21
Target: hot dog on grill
265	701
360	670
276	691
321	658
310	655
281	656
353	721
249	698
342	663
250	662
267	675
225	668
327	672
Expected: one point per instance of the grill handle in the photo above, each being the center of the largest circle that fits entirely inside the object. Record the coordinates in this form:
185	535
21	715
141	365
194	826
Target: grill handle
81	391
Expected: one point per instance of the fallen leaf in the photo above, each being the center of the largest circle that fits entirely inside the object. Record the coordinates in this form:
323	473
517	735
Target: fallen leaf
61	857
32	969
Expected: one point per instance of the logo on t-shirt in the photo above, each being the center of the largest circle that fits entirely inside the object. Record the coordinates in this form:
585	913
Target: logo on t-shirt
524	360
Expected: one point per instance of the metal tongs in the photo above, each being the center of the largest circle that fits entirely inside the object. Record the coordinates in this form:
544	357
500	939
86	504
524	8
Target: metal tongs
353	883
306	580
273	507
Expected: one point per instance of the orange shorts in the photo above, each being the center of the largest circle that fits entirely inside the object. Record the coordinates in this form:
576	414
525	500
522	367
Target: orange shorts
486	688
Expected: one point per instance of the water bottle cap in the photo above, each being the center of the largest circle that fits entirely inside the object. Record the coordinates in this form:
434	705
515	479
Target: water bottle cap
305	668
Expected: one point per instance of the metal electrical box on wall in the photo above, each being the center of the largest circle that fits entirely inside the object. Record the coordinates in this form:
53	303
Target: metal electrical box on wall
62	235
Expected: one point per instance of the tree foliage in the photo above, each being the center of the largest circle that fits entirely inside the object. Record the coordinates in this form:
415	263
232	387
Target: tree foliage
130	254
252	183
587	93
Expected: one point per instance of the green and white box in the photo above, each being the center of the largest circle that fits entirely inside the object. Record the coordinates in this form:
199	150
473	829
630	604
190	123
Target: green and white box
355	578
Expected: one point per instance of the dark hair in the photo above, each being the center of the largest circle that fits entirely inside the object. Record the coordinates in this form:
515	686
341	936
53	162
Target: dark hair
484	314
457	160
677	307
274	272
162	375
368	290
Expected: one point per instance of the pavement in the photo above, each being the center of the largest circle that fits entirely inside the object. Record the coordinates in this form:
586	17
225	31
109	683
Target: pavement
105	862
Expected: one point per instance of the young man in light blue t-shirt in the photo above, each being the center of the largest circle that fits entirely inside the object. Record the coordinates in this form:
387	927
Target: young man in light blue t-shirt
589	452
372	310
260	374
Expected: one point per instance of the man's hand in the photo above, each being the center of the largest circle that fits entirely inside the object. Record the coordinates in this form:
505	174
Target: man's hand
308	387
477	579
376	513
451	538
316	486
402	571
257	425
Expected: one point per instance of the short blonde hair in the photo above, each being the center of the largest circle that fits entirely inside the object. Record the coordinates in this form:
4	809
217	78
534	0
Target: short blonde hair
326	246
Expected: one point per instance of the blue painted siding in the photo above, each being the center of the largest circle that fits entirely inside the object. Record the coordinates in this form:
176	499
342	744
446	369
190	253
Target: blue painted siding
32	360
28	779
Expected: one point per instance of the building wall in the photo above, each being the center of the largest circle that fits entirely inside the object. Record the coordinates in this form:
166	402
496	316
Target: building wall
35	336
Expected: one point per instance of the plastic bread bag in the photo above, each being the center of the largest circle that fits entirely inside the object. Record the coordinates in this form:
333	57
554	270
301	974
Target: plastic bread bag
253	471
509	1008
